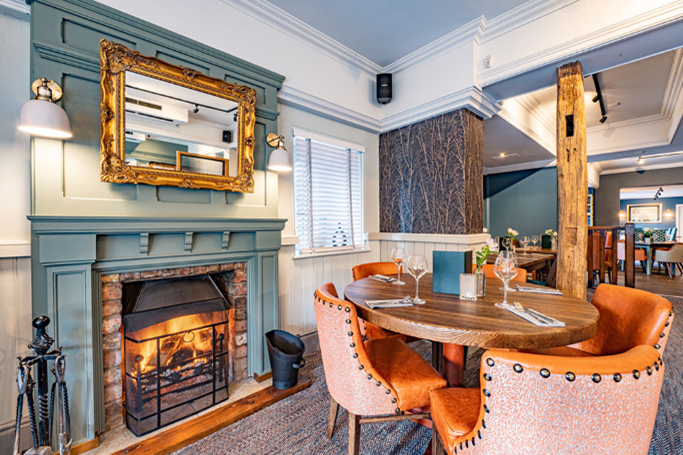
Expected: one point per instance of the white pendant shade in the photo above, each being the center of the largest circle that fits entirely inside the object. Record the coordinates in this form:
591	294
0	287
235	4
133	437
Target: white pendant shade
45	119
279	161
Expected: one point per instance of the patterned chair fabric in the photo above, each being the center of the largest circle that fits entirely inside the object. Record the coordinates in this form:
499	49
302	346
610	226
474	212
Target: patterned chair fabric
671	234
360	271
521	274
628	318
531	404
377	377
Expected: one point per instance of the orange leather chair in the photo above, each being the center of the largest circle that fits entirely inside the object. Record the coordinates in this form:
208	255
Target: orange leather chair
628	318
488	270
360	271
532	404
372	378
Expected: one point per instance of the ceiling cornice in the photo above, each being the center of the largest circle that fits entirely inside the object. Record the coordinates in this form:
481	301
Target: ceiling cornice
284	22
520	167
15	8
291	95
535	112
645	167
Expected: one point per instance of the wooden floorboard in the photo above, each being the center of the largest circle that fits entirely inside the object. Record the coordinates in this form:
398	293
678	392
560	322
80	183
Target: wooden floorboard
657	283
177	437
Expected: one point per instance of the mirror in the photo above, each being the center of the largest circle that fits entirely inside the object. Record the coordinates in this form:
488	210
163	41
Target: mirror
168	125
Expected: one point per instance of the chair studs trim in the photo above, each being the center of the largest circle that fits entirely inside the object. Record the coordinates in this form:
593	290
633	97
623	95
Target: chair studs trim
353	345
656	366
649	370
369	376
331	304
350	334
518	368
348	310
486	393
379	383
487	376
348	321
398	410
486	409
617	377
657	346
545	373
360	367
339	307
636	374
355	355
393	400
388	391
483	423
596	378
662	335
490	362
569	376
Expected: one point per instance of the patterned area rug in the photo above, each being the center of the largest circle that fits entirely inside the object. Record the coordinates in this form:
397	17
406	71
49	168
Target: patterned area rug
297	425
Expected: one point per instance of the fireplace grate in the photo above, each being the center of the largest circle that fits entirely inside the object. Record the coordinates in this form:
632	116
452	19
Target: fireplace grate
174	375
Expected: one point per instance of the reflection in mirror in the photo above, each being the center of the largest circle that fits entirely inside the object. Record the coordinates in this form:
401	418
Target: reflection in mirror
174	128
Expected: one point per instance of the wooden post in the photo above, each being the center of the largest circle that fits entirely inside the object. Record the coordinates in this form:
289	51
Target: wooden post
572	181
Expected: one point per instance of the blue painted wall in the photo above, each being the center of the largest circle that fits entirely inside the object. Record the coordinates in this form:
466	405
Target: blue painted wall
667	203
523	200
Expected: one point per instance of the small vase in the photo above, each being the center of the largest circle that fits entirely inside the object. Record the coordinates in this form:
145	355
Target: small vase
648	239
553	244
481	282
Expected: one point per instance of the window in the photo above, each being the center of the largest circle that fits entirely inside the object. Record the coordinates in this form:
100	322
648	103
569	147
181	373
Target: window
328	193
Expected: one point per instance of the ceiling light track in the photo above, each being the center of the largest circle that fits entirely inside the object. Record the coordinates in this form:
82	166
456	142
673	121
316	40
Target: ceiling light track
599	98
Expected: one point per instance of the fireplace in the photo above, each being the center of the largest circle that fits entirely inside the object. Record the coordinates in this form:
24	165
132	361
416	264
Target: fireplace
175	349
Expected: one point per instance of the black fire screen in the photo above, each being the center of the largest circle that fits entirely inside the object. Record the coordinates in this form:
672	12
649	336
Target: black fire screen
176	374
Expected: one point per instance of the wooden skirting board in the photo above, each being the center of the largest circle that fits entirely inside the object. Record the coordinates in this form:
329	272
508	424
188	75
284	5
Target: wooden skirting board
178	437
263	377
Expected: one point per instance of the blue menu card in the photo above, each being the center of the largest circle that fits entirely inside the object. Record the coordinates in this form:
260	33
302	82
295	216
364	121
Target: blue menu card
446	269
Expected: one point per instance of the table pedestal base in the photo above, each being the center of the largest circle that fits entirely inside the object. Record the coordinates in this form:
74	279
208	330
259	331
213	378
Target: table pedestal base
449	360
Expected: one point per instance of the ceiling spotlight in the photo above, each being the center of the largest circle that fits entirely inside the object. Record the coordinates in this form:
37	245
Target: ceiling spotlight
502	155
196	108
603	119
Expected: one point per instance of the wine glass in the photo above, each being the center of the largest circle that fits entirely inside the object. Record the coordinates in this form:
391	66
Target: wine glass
534	239
525	241
398	255
506	269
417	267
506	242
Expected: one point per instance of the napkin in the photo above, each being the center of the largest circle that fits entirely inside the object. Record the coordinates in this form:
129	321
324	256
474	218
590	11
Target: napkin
386	279
387	303
539	290
552	322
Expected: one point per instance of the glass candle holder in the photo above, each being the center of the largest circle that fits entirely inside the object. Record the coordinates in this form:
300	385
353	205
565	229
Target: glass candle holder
468	286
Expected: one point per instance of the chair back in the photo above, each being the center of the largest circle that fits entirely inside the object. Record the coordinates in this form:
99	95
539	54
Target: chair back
628	318
361	271
520	277
640	254
671	234
536	404
350	376
672	255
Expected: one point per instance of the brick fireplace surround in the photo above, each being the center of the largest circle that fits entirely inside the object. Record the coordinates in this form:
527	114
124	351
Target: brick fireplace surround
233	280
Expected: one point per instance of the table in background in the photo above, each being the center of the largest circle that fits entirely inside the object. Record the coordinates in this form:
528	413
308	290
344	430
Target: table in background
649	248
451	323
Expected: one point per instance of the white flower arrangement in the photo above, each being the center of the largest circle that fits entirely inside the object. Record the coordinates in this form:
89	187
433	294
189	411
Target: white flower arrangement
512	233
551	233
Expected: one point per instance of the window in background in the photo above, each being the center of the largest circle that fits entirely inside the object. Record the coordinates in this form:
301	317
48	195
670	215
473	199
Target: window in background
328	193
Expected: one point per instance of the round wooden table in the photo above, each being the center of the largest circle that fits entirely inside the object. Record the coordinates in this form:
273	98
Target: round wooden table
451	323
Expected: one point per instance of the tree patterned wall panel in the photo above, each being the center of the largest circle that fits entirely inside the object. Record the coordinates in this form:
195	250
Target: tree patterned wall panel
431	176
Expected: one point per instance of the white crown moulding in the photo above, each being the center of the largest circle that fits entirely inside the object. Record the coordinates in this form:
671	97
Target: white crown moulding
15	8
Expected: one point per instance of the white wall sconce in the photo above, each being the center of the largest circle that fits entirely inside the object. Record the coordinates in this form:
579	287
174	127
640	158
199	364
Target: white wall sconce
279	158
621	214
669	213
41	116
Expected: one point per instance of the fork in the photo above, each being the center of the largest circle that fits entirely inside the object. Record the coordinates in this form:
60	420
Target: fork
534	315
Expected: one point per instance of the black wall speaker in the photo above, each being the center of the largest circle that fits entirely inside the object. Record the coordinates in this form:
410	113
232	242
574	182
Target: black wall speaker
227	136
384	88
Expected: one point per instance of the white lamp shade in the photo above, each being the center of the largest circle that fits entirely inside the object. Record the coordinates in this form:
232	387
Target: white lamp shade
45	119
279	161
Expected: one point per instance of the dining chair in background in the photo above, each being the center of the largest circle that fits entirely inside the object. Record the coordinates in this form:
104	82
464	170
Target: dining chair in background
671	259
628	318
532	404
369	330
375	379
520	277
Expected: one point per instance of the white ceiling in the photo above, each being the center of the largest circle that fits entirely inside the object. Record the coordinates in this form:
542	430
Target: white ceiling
644	107
630	92
384	31
650	191
501	137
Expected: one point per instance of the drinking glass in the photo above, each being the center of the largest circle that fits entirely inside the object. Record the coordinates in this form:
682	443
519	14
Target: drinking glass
534	239
417	267
506	269
525	241
398	255
506	243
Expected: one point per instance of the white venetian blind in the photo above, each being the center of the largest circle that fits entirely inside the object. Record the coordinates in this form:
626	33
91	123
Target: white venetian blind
328	195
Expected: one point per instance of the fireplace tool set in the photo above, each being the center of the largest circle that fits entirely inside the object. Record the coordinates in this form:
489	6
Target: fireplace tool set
41	431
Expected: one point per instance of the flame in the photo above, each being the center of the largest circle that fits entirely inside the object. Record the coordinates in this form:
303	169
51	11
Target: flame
185	343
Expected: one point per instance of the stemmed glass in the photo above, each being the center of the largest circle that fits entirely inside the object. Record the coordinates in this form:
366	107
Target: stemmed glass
534	239
417	267
506	269
398	255
525	241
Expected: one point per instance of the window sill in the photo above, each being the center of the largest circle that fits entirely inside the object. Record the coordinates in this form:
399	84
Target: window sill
330	253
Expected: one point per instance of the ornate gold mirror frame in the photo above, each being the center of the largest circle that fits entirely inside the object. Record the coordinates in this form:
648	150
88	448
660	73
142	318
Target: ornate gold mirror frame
115	60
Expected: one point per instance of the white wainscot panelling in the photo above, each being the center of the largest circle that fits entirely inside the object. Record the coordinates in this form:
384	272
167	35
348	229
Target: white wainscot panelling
299	278
15	326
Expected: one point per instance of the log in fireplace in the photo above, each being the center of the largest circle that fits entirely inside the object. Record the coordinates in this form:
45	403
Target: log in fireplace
175	350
